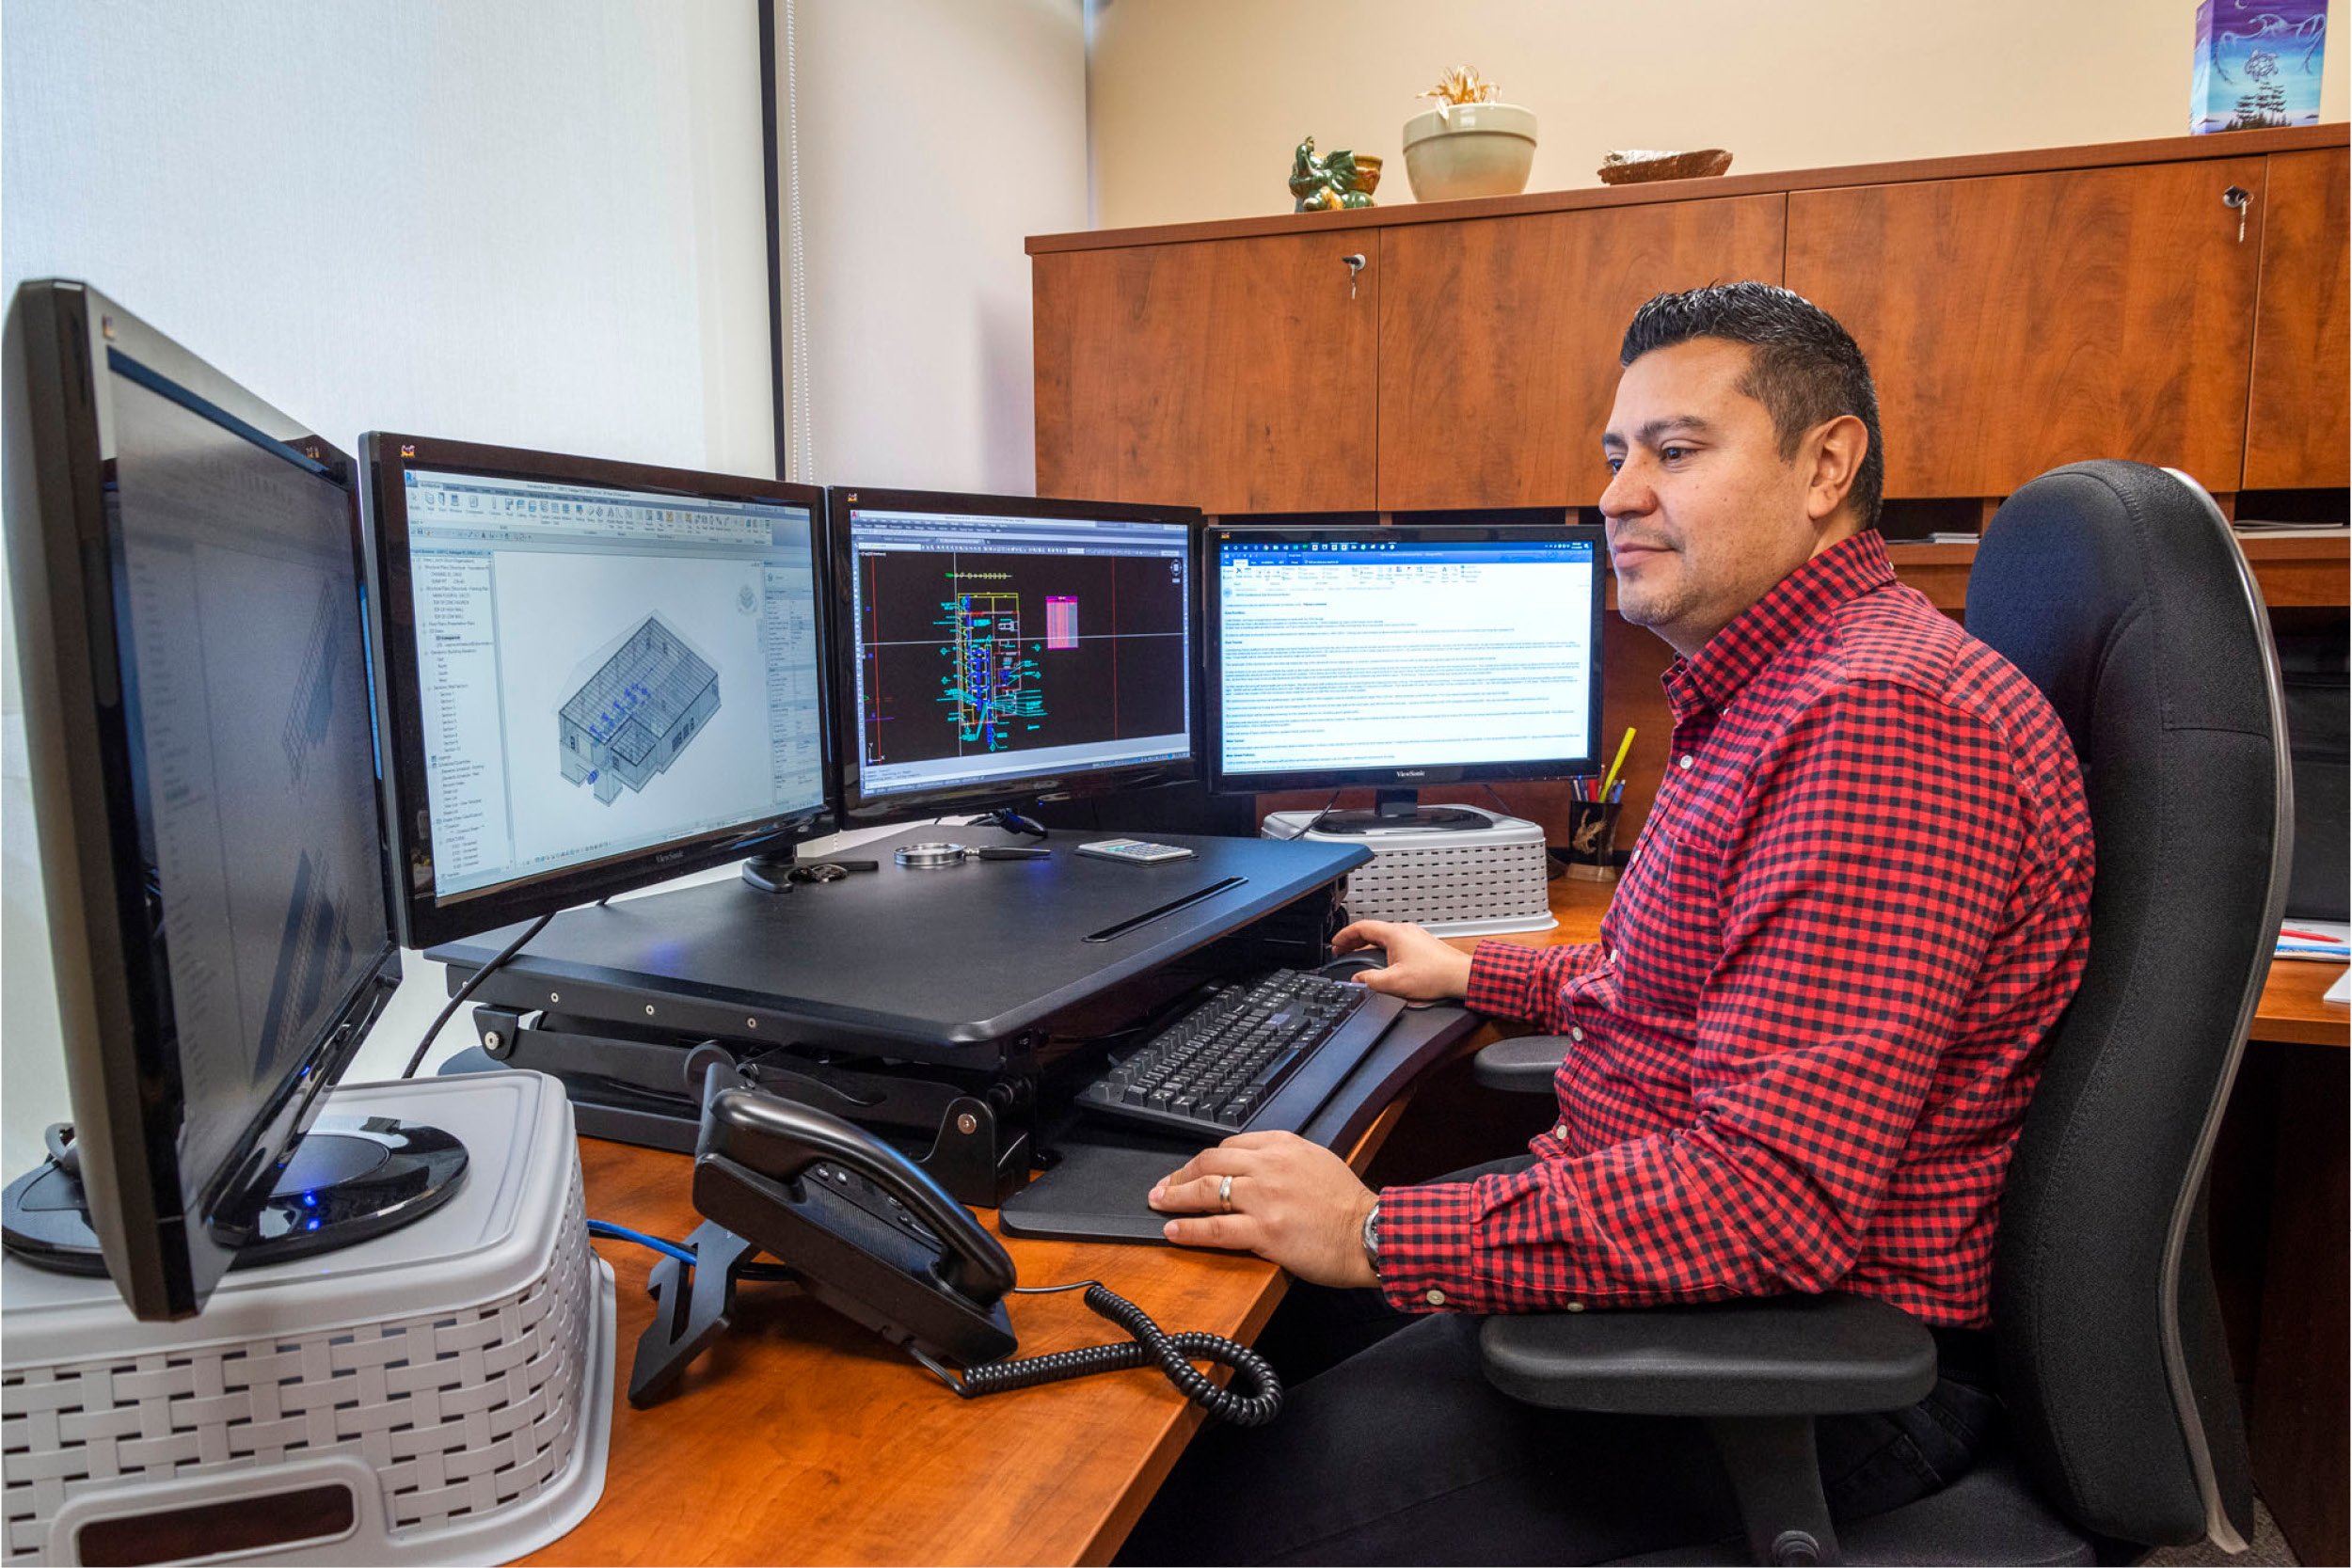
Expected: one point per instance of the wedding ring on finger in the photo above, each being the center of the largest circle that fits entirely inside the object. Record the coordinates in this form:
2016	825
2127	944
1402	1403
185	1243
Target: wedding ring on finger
1225	1193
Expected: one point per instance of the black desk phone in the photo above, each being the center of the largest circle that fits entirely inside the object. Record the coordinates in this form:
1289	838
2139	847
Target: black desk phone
862	1230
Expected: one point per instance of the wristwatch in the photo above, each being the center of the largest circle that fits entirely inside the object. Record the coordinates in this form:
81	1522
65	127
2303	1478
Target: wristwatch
1372	1237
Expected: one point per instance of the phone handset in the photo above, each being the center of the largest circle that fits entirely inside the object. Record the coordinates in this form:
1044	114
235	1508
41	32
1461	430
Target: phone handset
786	1140
854	1222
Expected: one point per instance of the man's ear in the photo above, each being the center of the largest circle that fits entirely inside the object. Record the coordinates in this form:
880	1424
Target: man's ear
1833	455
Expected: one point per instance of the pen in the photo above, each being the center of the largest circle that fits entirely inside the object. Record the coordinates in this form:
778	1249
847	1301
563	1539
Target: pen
1610	778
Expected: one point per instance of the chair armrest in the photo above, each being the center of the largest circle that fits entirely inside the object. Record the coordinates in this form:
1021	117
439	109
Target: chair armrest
1781	1355
1524	1065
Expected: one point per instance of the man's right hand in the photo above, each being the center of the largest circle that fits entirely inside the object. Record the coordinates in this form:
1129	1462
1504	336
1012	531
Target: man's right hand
1421	968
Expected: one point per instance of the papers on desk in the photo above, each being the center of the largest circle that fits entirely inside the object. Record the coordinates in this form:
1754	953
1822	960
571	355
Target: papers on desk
2342	990
2322	941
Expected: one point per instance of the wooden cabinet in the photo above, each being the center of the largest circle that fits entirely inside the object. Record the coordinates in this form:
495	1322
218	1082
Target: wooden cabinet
1499	340
1235	376
2024	321
2297	436
2020	309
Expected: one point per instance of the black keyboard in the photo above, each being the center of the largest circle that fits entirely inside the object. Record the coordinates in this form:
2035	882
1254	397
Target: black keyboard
1251	1058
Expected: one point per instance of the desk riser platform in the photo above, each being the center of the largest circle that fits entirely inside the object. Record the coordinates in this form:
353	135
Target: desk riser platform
851	996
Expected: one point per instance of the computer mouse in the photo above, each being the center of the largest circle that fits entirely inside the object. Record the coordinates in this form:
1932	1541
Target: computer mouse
1349	965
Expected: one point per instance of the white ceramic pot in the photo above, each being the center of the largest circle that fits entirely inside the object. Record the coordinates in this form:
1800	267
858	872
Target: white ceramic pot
1464	150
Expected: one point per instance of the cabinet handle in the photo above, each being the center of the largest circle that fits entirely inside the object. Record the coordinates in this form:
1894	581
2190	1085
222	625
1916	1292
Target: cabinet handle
1354	265
2240	200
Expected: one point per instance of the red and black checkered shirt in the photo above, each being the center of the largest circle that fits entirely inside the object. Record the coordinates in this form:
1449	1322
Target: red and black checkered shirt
1802	1049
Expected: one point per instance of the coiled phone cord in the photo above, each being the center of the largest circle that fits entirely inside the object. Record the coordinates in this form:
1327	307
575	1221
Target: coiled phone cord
1173	1354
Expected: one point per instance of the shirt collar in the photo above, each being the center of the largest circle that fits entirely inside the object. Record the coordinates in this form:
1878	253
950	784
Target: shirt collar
1713	676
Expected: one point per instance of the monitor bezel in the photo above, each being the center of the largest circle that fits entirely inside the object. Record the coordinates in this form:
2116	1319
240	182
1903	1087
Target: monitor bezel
861	810
425	918
1424	777
154	1223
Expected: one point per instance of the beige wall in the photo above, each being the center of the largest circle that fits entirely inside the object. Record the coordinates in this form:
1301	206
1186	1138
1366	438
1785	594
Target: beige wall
538	222
1194	105
934	136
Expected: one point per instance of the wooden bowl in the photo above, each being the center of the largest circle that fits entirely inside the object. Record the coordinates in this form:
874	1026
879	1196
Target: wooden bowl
1635	167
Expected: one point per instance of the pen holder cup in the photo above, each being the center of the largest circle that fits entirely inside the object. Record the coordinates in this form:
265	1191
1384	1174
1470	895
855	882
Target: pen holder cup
1592	851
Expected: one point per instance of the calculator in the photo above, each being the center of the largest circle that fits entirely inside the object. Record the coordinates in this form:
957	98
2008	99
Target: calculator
1135	851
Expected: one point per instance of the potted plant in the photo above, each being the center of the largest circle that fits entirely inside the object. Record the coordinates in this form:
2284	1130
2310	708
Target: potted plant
1469	144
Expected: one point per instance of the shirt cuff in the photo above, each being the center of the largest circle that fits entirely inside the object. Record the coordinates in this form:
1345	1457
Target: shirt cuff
1509	980
1425	1251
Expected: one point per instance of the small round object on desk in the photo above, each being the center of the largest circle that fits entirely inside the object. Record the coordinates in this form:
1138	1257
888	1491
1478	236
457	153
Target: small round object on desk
928	856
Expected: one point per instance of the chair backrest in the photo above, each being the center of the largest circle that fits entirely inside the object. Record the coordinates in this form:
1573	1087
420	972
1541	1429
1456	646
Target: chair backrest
2118	589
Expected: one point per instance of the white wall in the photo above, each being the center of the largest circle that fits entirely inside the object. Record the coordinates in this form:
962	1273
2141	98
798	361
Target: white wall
530	222
1196	104
935	135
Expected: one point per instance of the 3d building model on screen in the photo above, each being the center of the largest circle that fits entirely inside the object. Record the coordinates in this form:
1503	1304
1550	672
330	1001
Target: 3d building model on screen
632	718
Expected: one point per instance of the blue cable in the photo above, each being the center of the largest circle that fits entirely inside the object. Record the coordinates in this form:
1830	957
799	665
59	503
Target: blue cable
623	1233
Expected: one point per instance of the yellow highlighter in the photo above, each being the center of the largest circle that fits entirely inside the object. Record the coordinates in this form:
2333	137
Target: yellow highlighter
1611	777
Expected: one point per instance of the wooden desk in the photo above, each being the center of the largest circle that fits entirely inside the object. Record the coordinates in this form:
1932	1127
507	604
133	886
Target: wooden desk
2289	1012
800	1438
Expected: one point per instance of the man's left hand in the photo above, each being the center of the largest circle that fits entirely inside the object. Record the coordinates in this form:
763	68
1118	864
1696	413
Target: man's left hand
1294	1203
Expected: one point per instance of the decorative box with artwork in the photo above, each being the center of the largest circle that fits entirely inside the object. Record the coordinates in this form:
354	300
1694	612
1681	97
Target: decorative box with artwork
2257	64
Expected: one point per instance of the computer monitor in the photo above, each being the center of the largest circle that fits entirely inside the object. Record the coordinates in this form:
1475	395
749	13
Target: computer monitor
1402	657
595	675
998	650
186	565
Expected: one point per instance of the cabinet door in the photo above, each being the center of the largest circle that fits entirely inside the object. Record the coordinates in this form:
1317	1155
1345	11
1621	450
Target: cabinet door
2295	433
1235	376
1498	338
2019	322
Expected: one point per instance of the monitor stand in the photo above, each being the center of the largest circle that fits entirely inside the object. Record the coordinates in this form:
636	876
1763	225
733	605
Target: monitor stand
772	872
1395	809
350	1179
1012	821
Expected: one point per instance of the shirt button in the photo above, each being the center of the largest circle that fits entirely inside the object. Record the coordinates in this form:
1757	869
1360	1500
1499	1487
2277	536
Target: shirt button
1561	1130
1577	1034
1576	1306
1435	1296
1683	761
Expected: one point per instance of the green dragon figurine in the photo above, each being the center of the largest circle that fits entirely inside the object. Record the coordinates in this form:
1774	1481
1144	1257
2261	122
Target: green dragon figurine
1326	185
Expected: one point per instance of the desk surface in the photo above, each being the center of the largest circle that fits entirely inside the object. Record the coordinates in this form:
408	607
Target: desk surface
799	1438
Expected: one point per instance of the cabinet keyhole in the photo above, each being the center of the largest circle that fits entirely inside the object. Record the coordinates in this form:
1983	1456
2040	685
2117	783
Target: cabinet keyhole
2242	199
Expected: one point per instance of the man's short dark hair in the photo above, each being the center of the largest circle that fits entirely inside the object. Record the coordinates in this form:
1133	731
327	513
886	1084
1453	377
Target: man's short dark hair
1805	369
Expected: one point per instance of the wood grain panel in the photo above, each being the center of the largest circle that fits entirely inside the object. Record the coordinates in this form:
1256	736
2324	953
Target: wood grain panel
2157	149
1234	376
2021	322
2297	435
1499	340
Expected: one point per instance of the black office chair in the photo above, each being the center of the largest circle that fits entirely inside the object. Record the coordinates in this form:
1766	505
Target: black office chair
2119	591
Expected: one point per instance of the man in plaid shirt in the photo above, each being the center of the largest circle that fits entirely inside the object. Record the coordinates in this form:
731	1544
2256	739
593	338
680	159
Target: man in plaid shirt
1799	1055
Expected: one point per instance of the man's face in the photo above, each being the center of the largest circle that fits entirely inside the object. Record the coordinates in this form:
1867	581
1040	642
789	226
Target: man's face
1705	515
